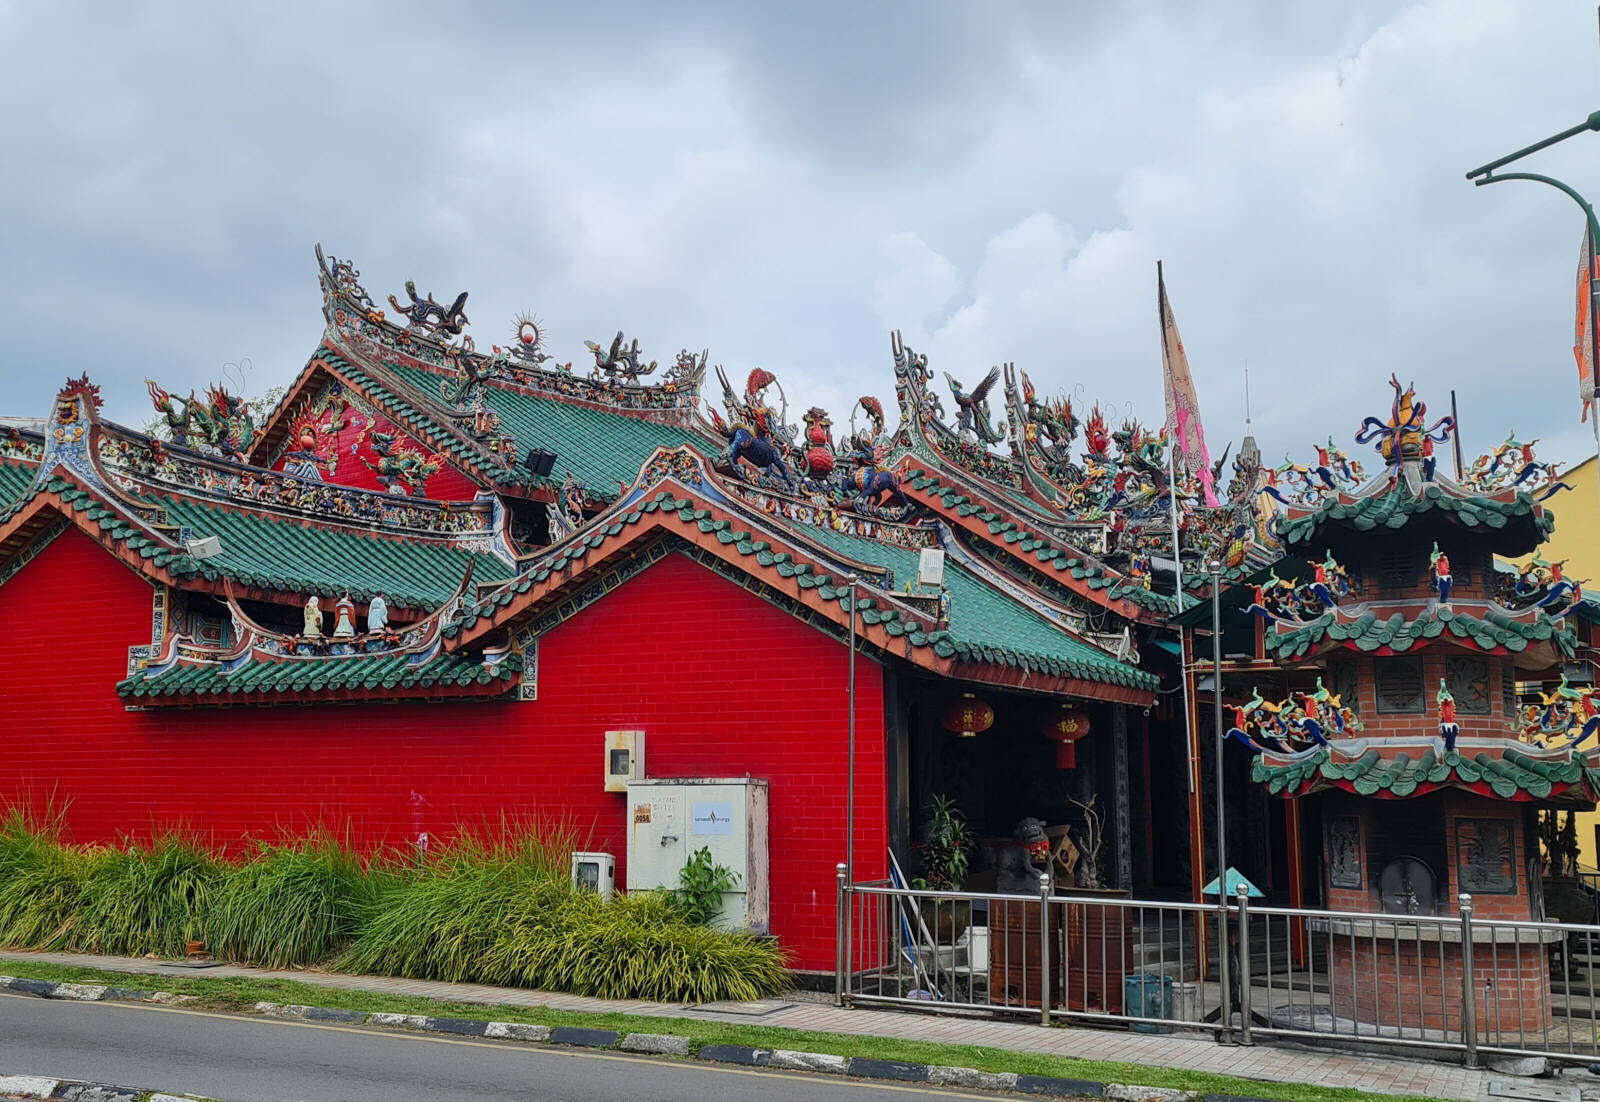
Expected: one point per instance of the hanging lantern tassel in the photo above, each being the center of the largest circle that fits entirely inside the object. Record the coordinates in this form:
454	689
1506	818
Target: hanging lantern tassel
1065	726
967	716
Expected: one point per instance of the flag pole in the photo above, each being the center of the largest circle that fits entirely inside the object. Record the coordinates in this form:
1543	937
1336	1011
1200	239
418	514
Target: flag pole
1455	434
1177	547
1183	651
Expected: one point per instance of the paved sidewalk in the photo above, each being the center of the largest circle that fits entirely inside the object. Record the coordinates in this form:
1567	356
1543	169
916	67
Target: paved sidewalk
1275	1063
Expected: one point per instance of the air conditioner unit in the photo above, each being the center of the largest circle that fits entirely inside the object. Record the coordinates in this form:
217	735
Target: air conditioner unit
930	567
205	548
594	872
540	462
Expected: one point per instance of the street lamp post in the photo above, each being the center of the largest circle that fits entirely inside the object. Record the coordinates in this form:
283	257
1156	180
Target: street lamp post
850	767
1225	1001
1488	174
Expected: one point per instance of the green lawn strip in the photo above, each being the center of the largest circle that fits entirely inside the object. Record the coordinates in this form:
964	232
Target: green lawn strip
241	994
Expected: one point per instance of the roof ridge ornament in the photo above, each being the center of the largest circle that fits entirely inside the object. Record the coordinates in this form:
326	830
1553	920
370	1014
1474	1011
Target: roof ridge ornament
425	336
1406	440
221	424
1512	466
619	362
72	434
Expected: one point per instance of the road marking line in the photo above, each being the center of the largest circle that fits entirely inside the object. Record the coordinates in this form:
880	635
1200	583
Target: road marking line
513	1046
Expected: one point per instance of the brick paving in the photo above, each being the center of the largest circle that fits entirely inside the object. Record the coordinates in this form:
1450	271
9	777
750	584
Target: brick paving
1272	1062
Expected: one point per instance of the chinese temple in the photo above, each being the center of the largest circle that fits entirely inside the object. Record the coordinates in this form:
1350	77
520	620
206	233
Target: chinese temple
1386	674
421	591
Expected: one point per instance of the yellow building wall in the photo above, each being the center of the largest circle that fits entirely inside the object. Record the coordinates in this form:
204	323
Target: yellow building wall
1577	540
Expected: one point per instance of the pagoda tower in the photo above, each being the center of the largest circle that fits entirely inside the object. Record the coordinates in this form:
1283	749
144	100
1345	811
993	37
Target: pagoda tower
1428	768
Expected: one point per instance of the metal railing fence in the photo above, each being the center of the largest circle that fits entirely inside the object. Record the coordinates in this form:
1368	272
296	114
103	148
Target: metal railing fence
1463	983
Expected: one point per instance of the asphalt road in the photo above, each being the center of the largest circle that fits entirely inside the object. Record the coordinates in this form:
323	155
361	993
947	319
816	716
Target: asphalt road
247	1059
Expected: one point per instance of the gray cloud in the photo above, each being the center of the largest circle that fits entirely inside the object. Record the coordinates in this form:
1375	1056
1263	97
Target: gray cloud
784	184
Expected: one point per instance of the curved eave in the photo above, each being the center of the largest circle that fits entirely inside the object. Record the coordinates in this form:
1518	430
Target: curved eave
1514	776
158	559
883	625
1073	569
1513	522
150	695
1536	643
1579	793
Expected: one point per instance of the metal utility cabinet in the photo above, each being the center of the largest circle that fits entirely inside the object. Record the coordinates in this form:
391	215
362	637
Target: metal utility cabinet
670	819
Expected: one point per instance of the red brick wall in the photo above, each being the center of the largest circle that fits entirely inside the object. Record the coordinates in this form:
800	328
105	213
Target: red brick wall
1416	984
1426	723
1516	905
1450	807
722	683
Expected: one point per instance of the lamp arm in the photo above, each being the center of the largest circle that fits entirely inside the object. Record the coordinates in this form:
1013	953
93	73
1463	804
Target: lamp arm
1588	210
1590	123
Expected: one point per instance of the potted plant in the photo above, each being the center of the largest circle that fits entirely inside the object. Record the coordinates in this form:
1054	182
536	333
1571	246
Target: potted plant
1099	935
945	852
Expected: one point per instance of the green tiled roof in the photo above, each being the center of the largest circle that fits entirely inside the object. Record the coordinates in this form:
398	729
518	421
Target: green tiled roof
259	549
981	618
15	478
1126	590
602	449
1515	774
1046	553
363	676
1369	632
1523	521
986	625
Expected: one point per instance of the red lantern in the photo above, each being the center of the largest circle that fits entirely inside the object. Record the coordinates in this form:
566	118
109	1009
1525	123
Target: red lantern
1065	726
967	716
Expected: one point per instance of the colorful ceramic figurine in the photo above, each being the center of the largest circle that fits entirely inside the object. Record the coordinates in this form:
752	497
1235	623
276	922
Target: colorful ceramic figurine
313	621
754	434
377	614
1323	575
972	410
1441	573
1295	725
1407	428
344	625
1448	728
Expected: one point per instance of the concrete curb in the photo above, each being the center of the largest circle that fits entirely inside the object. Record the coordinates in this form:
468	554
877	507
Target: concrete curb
663	1044
72	1090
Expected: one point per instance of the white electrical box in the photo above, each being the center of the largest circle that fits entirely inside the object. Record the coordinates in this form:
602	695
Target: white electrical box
668	820
624	759
595	872
930	567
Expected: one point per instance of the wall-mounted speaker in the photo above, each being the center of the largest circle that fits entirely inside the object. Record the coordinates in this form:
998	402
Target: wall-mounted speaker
540	462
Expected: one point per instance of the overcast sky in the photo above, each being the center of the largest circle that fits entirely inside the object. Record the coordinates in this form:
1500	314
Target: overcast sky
784	184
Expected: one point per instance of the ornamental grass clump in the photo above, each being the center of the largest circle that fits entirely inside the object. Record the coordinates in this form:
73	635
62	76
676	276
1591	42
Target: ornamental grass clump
22	837
495	905
295	903
643	946
41	888
146	899
440	925
440	916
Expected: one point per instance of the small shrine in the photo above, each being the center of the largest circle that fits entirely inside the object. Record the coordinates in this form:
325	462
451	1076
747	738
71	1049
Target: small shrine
1406	735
